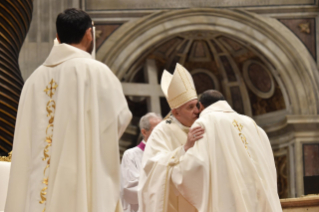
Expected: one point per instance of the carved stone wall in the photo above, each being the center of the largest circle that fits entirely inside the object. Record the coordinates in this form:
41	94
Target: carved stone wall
230	50
175	4
305	30
220	62
103	31
293	67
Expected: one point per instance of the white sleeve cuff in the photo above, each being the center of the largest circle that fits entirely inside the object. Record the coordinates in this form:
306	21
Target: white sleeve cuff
182	151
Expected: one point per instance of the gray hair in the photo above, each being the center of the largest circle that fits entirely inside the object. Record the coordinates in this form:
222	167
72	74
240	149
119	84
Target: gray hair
145	120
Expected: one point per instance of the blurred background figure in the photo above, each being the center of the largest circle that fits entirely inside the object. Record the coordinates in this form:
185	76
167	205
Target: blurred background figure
132	161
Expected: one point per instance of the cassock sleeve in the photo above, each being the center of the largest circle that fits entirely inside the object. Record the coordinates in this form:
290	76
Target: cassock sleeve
190	175
130	176
125	114
158	160
124	119
268	152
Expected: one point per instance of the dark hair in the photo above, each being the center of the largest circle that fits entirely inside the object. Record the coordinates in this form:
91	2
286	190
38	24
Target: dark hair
210	97
71	25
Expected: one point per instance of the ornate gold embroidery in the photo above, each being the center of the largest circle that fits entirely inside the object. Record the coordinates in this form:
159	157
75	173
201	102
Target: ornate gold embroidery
49	89
7	159
50	107
42	195
241	135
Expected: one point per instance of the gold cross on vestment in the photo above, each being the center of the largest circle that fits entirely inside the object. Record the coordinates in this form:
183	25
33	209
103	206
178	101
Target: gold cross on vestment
49	89
239	126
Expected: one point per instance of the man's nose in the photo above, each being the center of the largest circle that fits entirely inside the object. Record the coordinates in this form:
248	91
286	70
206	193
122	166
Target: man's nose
196	110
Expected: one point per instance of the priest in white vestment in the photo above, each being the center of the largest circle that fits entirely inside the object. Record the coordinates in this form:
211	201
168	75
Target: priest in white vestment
132	162
167	143
232	168
71	115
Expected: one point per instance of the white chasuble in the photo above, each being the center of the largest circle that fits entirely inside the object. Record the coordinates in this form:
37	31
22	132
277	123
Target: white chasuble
71	115
231	169
164	148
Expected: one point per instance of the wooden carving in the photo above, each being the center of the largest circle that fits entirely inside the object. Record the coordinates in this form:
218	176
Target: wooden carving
15	19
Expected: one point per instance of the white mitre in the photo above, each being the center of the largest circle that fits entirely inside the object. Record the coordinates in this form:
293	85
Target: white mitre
178	88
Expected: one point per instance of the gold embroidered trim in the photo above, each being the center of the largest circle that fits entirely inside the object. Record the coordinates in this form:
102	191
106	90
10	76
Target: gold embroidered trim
241	135
50	107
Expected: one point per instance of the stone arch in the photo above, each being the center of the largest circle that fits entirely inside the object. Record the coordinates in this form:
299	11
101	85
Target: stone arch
292	61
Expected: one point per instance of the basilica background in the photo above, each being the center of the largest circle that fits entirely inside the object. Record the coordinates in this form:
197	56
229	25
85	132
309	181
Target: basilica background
262	55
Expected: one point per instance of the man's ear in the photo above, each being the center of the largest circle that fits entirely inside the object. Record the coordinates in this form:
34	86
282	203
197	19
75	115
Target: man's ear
201	107
175	112
57	37
143	131
89	34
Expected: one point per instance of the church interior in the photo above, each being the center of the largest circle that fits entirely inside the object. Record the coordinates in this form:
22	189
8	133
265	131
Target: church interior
262	55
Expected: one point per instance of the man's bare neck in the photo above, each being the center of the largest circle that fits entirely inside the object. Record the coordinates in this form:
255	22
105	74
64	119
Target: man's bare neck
79	46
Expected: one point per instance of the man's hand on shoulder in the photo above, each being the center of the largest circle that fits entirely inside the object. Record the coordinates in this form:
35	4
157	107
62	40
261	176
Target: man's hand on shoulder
193	135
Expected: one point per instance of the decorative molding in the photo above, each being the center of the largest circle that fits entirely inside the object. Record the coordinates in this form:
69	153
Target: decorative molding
302	15
103	31
305	27
252	85
126	5
279	45
208	73
281	162
123	16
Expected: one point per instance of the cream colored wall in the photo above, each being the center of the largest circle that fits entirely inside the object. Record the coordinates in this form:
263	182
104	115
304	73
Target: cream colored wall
294	66
159	4
39	40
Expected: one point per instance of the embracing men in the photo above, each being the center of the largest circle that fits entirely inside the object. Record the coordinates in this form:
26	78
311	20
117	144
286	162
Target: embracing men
229	169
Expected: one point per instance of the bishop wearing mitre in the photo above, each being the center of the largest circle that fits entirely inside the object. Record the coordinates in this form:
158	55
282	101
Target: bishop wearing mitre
232	168
168	142
72	113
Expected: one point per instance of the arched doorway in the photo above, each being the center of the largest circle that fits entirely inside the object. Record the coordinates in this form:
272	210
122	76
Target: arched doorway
261	67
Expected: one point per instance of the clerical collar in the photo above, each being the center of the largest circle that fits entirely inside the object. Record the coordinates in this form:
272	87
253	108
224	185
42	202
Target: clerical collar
63	52
142	145
222	106
183	127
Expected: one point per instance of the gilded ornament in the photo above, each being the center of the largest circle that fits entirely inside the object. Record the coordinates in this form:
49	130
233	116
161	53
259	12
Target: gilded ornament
50	107
42	195
45	153
50	88
305	27
98	33
240	127
6	158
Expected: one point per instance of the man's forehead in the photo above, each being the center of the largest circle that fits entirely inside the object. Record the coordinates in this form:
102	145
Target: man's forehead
192	102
